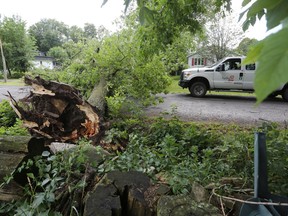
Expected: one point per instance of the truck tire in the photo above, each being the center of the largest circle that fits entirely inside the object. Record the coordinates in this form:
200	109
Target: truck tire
198	89
285	93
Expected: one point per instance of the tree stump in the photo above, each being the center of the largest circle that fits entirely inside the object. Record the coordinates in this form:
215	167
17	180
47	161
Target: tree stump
122	193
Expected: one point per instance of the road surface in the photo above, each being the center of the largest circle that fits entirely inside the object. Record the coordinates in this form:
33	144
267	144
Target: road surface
217	108
15	91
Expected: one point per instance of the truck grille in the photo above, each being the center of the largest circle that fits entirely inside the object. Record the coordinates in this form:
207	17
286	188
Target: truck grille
181	76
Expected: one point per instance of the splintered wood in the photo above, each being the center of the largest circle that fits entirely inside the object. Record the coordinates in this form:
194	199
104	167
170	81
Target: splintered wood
56	111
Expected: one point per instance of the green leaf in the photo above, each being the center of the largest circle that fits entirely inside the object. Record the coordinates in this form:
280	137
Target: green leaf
50	197
272	64
257	9
242	14
245	2
146	16
39	198
45	181
261	14
127	3
276	15
31	175
259	5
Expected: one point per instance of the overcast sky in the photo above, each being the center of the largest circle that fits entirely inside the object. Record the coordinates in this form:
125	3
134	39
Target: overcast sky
75	12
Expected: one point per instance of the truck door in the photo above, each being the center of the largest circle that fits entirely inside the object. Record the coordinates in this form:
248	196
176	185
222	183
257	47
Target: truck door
248	76
229	75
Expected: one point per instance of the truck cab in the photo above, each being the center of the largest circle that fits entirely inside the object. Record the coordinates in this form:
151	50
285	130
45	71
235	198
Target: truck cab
229	74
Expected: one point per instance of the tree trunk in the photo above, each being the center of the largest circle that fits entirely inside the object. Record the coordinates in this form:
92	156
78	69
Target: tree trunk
98	96
3	62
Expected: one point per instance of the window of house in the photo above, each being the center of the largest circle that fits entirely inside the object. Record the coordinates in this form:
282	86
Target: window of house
198	61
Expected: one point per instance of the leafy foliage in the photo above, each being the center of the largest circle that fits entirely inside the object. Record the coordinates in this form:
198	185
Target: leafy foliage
55	175
7	114
222	34
18	47
271	52
178	153
49	33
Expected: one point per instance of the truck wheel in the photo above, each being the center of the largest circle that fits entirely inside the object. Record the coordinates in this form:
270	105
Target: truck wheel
198	89
285	94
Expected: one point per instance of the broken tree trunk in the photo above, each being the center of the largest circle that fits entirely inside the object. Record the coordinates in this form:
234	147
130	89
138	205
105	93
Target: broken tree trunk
57	112
97	97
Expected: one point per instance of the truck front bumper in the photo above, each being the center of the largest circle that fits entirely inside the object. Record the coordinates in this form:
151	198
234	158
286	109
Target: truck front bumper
184	83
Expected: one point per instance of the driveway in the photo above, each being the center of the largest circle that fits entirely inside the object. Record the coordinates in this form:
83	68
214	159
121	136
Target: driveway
217	108
16	91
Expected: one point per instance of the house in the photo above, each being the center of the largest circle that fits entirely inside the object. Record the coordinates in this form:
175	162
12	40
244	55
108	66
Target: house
197	60
43	61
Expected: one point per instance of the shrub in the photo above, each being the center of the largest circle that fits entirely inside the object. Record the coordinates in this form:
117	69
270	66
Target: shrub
7	114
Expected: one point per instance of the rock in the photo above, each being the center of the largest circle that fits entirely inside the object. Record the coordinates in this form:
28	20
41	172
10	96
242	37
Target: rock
14	143
184	205
12	151
199	193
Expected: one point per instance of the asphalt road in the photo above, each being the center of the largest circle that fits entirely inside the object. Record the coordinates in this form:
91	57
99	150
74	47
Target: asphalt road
15	91
217	108
212	108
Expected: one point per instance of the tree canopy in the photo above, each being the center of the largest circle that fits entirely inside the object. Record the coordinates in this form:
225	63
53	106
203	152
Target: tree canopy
49	33
18	47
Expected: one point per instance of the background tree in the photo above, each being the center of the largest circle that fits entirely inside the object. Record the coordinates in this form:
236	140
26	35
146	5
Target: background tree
102	32
59	54
18	47
245	45
76	33
49	33
90	30
175	54
221	37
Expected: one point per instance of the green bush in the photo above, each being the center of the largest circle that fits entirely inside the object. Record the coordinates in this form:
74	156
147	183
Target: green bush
7	114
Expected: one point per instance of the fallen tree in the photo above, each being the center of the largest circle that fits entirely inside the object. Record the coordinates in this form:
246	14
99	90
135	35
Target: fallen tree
57	112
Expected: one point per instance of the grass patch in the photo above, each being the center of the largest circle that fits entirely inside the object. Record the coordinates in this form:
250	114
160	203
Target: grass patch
12	82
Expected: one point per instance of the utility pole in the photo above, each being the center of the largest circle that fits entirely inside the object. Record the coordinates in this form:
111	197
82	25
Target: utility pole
4	63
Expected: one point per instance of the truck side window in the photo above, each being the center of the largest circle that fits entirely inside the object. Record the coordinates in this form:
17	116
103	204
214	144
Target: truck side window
250	67
233	64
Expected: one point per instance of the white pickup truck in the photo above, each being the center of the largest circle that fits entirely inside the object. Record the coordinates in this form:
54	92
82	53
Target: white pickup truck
226	75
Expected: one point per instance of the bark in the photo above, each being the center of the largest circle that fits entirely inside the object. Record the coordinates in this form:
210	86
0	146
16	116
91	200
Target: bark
98	96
